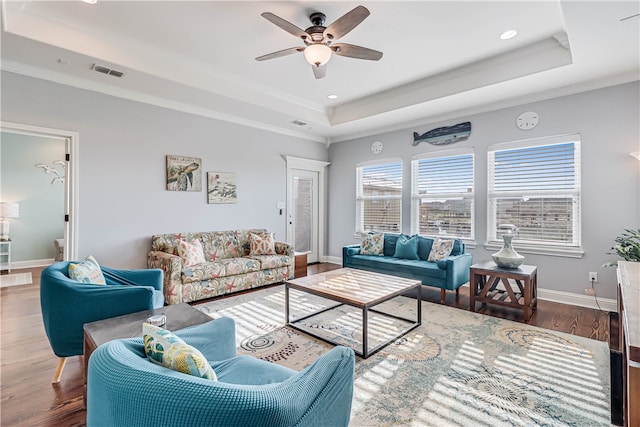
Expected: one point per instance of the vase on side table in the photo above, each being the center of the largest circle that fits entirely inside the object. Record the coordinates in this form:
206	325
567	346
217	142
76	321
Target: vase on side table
507	257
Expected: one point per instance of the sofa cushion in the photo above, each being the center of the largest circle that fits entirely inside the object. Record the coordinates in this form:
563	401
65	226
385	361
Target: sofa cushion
191	252
271	261
220	245
262	244
166	349
372	244
440	249
406	247
87	271
205	271
390	265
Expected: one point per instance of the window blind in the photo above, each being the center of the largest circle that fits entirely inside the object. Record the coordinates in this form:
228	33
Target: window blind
442	192
536	188
379	197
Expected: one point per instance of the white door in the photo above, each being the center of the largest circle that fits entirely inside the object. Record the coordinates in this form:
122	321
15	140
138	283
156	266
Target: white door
303	213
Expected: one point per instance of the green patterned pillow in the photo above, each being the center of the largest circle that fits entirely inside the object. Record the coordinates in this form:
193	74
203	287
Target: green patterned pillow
440	249
372	244
166	349
87	271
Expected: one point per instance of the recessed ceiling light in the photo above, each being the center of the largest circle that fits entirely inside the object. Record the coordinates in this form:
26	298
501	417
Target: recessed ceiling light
332	96
90	1
509	34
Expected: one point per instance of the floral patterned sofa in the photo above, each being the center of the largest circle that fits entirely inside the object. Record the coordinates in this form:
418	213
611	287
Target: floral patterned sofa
224	264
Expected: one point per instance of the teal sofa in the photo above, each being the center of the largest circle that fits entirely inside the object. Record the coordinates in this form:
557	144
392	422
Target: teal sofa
126	389
447	274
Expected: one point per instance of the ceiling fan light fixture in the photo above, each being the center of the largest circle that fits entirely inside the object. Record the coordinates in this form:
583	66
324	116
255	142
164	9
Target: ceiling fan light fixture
317	54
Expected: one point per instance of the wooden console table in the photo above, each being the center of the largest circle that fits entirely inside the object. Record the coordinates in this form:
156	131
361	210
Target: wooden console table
485	278
629	330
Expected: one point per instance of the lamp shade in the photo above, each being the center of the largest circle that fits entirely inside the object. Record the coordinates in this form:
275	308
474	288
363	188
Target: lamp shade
9	210
317	54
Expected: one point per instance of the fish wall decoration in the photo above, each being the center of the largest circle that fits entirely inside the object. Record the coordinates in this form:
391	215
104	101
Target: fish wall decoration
444	135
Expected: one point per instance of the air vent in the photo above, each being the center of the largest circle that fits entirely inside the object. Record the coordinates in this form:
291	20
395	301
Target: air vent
299	123
108	71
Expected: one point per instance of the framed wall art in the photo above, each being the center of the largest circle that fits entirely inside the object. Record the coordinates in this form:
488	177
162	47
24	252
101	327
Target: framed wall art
184	173
221	187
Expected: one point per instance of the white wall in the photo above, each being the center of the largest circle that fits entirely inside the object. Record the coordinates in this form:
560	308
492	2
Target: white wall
41	202
122	167
608	121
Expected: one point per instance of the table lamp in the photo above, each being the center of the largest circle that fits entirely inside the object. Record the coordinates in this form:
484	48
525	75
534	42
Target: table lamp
7	210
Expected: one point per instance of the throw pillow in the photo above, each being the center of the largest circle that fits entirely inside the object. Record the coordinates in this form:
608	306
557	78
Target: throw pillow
407	247
191	252
164	348
87	271
262	245
372	244
440	249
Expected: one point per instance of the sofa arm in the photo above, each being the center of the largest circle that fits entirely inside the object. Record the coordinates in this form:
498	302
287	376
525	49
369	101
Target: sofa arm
457	269
284	248
348	251
171	265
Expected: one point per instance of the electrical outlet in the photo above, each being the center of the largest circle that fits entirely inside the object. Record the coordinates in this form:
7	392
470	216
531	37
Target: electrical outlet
589	291
593	276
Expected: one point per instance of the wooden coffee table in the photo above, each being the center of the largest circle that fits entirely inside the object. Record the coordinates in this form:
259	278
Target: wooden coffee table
130	326
357	288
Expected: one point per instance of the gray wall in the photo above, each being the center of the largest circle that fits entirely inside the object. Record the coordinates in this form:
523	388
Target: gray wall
608	121
41	202
122	167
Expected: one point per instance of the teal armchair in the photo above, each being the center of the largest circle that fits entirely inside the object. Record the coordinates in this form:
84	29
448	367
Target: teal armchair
68	304
126	389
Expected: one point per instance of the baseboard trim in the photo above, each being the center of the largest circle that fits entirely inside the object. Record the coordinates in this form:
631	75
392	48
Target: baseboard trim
332	259
32	263
606	304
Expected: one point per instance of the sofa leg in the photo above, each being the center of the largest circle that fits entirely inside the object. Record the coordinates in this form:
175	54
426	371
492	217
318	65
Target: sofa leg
443	295
59	368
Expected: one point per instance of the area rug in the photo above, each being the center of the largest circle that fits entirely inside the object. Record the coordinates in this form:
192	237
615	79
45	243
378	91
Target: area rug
15	279
457	369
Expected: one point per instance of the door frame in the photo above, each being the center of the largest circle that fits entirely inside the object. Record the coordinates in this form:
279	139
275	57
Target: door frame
297	163
70	183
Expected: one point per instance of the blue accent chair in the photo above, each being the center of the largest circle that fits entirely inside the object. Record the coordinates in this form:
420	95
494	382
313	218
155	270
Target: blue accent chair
68	304
125	389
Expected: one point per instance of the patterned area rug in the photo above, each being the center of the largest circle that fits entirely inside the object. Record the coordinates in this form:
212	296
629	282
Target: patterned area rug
457	369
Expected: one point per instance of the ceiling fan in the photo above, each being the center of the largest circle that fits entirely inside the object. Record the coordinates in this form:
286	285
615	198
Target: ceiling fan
318	39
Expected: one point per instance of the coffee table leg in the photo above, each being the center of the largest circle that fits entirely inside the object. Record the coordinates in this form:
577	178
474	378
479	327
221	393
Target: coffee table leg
419	305
365	333
286	304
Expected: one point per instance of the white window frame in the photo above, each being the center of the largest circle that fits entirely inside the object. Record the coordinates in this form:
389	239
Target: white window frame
416	197
570	249
361	198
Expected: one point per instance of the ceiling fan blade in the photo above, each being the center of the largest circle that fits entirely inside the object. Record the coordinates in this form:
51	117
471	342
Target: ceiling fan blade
353	51
285	25
320	71
346	23
280	53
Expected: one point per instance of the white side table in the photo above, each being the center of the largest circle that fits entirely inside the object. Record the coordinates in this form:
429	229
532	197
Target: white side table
5	255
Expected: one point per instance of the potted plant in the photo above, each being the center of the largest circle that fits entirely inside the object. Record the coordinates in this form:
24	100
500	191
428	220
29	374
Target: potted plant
627	247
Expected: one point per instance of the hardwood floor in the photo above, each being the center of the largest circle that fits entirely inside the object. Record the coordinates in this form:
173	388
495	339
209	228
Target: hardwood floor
29	399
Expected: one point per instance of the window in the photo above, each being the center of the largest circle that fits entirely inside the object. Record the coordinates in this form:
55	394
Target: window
442	194
535	185
379	196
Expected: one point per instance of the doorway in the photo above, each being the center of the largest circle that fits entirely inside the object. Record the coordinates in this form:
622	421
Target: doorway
62	172
305	206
